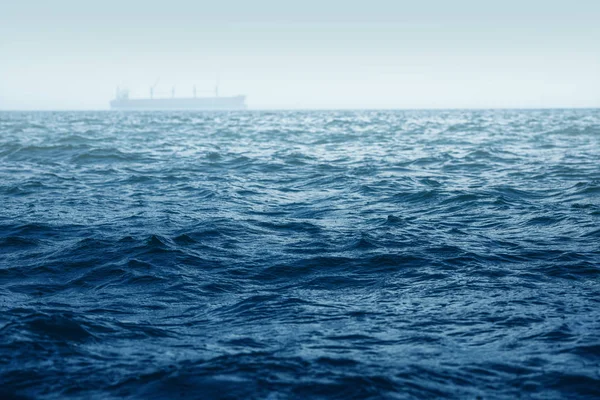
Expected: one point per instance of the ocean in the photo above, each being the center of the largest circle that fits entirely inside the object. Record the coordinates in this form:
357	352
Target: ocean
300	254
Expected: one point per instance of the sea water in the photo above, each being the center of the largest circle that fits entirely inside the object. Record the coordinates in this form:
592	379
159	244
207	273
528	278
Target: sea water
297	254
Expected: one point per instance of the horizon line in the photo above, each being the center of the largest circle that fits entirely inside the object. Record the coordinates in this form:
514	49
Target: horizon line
312	109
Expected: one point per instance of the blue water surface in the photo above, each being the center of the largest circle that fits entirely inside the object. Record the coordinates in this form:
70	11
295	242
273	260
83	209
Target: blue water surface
313	254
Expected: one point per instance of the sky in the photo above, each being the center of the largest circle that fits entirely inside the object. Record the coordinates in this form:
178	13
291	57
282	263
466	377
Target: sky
309	54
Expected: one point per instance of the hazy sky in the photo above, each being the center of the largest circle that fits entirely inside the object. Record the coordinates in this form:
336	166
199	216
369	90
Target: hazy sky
71	54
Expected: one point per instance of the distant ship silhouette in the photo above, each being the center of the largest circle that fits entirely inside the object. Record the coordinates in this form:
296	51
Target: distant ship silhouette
122	101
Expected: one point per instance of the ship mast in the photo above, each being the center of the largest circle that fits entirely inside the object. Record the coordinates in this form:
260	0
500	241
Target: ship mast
152	88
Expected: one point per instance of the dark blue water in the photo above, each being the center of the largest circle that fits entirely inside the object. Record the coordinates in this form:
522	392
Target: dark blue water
300	254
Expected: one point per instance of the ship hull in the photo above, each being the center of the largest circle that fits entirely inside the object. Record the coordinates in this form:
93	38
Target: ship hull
195	103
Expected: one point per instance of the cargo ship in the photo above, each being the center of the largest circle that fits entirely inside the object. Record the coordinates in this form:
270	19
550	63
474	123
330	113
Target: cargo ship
122	101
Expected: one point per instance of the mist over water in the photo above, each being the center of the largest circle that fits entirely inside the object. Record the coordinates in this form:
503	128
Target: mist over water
309	54
334	254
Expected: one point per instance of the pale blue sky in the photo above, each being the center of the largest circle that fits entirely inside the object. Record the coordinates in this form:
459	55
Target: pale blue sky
67	54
